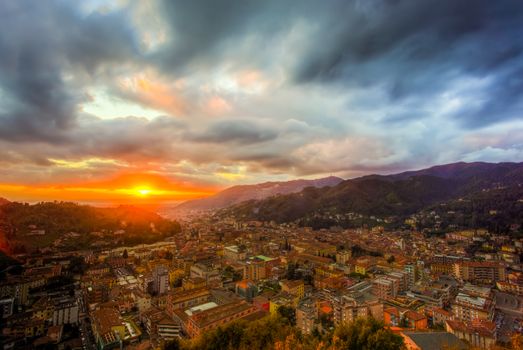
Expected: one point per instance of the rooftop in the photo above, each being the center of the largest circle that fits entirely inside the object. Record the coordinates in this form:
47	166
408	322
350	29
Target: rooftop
435	340
478	302
200	308
106	318
212	315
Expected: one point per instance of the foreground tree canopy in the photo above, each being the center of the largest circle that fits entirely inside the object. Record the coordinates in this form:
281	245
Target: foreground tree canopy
277	332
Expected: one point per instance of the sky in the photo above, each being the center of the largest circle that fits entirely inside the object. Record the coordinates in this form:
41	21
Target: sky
168	100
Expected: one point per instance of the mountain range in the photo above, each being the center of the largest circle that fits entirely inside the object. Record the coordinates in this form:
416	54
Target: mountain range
237	194
490	185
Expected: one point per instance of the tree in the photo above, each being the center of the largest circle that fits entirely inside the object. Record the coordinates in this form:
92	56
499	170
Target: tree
517	341
326	321
172	345
291	343
308	279
237	276
230	272
276	332
366	334
224	337
288	313
177	283
125	254
77	265
292	272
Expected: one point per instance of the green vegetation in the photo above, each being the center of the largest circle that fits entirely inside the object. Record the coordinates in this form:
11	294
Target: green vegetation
366	334
367	196
18	220
358	251
292	272
230	273
288	314
462	195
496	210
277	332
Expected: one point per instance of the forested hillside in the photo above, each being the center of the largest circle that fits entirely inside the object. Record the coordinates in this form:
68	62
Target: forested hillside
482	194
40	224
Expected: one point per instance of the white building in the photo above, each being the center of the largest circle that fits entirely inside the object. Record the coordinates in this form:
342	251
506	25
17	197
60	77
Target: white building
6	307
66	312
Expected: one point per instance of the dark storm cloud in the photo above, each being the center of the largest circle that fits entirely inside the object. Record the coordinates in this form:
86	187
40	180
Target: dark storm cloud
242	132
45	49
205	31
416	48
505	100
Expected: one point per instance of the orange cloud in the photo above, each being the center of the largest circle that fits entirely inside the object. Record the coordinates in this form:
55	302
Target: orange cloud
217	105
251	80
155	93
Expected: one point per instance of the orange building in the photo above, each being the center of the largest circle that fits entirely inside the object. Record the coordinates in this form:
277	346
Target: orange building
439	315
404	318
391	317
414	320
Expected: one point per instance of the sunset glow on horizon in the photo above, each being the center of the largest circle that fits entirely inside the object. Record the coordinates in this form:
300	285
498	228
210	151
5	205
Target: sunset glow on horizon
126	189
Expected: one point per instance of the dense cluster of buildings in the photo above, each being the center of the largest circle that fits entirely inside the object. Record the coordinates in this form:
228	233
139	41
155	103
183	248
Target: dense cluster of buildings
428	289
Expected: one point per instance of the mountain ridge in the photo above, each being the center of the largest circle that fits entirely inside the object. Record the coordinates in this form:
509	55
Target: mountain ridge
240	193
401	194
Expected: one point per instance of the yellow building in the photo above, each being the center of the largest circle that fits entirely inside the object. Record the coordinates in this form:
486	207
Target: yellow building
193	283
363	265
43	309
108	328
34	328
28	329
255	270
152	264
283	299
327	271
294	288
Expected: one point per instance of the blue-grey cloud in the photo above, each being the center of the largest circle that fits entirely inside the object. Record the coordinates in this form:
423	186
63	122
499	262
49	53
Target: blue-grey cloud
40	44
417	48
236	131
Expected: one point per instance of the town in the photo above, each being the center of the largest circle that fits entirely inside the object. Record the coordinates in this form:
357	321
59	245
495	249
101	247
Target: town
427	289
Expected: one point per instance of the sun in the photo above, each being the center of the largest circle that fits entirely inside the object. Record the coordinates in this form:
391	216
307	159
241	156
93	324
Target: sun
143	192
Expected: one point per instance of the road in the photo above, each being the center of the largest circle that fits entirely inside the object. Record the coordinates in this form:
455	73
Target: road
86	333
